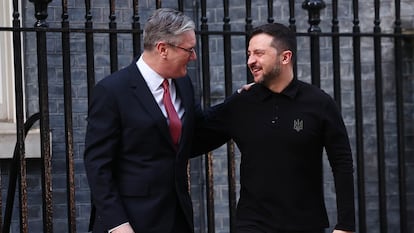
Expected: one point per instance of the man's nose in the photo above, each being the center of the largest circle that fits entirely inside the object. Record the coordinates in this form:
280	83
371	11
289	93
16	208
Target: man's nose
251	60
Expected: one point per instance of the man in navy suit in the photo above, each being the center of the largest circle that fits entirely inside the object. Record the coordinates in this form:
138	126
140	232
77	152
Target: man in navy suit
136	172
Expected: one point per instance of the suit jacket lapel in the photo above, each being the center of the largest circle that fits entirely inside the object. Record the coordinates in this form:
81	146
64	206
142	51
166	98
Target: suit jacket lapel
145	97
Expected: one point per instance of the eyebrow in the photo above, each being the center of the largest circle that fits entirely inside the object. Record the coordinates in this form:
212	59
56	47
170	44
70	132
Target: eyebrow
256	51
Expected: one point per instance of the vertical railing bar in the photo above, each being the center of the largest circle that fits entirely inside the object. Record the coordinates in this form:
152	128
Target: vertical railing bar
136	35
205	51
360	162
202	161
380	120
18	164
292	20
248	28
90	62
314	30
67	91
335	54
210	193
270	18
158	4
41	26
44	132
24	228
292	26
227	48
228	91
181	9
113	41
400	119
315	58
180	5
231	166
19	124
90	67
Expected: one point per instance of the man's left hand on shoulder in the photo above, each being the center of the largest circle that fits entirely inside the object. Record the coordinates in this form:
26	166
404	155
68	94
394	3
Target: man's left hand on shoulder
245	87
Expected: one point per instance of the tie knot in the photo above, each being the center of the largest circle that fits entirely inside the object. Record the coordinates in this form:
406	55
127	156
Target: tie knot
165	84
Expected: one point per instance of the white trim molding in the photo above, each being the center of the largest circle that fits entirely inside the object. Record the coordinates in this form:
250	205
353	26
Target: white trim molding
8	129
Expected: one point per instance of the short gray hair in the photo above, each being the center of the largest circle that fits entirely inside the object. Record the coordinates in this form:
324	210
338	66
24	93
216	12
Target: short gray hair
165	24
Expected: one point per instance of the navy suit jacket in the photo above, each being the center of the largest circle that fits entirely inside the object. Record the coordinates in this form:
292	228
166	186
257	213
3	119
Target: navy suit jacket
134	172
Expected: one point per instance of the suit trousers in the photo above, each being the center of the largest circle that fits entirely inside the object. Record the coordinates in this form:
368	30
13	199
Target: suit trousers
180	223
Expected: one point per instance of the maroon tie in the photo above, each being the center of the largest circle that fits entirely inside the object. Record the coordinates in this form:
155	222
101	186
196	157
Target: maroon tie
175	122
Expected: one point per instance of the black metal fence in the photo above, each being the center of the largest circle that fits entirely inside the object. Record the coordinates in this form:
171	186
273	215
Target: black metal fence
324	57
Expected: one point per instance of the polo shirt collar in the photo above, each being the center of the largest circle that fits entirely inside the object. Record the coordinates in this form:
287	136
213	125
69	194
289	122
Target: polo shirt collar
290	91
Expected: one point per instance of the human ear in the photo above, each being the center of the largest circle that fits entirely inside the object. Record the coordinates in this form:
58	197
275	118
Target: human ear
286	56
162	49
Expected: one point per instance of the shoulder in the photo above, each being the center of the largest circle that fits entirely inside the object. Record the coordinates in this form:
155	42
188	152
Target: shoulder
312	95
119	79
243	99
312	92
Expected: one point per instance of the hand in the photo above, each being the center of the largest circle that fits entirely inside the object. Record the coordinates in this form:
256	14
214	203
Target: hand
245	87
124	228
340	231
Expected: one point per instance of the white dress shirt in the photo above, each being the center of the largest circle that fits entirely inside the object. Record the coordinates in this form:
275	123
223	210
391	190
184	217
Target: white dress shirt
154	82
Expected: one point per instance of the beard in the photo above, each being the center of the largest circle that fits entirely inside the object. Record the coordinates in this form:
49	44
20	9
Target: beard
268	77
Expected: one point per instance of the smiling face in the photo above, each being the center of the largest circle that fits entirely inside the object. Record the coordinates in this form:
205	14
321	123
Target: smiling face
264	60
179	55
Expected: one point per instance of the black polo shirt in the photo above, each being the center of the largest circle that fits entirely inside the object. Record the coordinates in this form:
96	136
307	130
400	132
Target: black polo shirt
281	137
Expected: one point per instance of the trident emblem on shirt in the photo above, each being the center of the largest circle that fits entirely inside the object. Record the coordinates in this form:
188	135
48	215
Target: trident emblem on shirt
298	125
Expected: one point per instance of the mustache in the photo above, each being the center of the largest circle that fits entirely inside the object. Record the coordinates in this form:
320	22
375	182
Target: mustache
254	67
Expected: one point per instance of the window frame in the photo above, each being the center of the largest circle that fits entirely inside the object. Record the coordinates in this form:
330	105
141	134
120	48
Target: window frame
8	130
7	98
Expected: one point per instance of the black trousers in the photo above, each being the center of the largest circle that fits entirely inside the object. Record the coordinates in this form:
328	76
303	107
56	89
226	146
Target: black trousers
180	224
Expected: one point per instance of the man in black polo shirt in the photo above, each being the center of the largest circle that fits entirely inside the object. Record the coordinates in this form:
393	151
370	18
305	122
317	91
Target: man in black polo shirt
281	126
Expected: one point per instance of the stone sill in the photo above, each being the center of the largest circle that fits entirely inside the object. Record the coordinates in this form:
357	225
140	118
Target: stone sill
8	141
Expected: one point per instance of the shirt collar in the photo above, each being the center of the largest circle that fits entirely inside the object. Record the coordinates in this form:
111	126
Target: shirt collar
152	78
290	91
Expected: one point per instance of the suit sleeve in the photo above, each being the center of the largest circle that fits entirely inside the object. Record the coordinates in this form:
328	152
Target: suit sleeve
101	146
